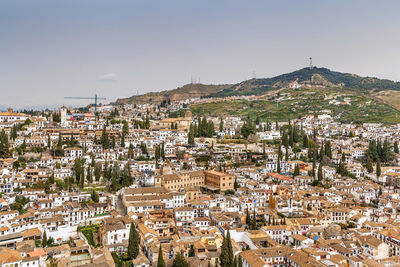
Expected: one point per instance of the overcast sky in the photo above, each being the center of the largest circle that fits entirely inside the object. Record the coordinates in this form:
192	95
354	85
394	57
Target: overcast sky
50	49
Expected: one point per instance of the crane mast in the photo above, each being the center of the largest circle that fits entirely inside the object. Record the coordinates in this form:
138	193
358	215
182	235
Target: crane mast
95	98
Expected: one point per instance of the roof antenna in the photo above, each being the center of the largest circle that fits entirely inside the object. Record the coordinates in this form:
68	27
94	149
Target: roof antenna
311	66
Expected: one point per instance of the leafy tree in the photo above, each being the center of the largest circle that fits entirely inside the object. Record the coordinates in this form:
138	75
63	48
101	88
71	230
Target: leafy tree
51	178
180	261
248	128
253	221
94	196
143	147
50	241
133	244
19	203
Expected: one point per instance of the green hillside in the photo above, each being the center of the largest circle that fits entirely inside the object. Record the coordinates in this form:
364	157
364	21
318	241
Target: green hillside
294	103
315	77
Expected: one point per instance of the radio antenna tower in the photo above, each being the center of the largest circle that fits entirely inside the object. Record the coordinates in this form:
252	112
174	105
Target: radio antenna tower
311	66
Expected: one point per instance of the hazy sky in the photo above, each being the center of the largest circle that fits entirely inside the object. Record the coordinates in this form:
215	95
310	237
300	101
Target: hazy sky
51	49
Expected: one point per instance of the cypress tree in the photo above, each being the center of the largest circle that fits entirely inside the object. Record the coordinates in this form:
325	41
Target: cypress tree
162	151
44	239
305	140
286	153
4	145
160	261
104	139
51	179
321	152
285	140
254	221
396	147
296	170
123	140
226	257
229	247
125	128
291	136
264	154
240	262
368	165
372	150
314	162
191	135
133	245
48	141
278	167
113	141
320	175
378	168
13	134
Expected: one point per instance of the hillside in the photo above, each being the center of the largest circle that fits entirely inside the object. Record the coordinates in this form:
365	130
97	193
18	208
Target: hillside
345	106
304	78
309	78
185	92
